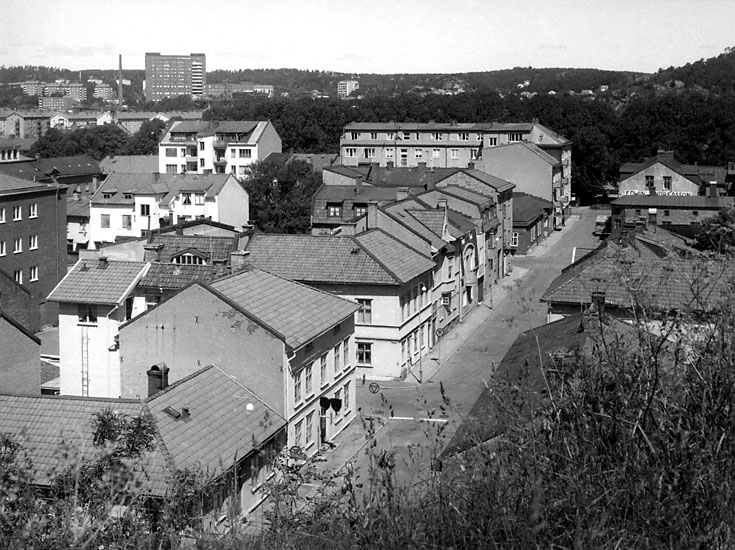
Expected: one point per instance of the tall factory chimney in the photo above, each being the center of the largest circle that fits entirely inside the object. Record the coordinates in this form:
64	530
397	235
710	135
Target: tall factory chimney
119	90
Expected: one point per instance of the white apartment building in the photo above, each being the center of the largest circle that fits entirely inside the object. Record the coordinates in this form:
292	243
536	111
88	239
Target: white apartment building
212	147
128	205
346	87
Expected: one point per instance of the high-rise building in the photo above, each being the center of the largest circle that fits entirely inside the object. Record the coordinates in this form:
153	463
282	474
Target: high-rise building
174	75
346	87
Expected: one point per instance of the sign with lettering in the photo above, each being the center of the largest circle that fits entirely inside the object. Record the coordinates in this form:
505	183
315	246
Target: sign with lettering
659	193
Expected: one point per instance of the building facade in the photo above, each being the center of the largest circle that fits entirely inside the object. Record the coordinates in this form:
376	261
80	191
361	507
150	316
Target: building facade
211	147
346	87
174	75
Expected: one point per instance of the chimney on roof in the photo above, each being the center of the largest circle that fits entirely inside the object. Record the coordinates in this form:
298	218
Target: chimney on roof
441	204
372	215
358	184
239	259
401	193
598	303
389	165
157	379
102	262
348	229
470	165
152	252
712	189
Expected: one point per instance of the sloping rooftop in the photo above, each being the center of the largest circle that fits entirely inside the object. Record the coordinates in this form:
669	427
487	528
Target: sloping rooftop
544	347
175	276
532	148
628	279
428	223
214	249
226	420
79	165
88	283
337	259
701	175
527	208
11	184
348	198
298	312
164	186
130	164
76	206
498	184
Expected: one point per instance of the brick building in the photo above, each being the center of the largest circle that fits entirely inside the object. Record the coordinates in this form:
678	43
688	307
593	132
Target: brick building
32	240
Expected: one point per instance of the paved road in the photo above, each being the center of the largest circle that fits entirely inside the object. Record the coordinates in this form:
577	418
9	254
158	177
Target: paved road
464	374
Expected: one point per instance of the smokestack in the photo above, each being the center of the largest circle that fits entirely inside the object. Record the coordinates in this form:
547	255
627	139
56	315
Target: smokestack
157	379
119	89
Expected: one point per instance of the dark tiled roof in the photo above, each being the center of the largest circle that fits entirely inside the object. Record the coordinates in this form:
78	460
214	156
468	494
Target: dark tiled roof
46	425
667	201
629	279
533	148
215	249
12	184
466	195
130	164
80	165
164	186
527	209
368	259
298	312
86	283
347	198
220	427
429	224
173	276
498	184
317	259
77	208
693	172
520	370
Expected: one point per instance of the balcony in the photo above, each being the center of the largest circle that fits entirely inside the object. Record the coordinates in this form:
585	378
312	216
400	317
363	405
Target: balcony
220	160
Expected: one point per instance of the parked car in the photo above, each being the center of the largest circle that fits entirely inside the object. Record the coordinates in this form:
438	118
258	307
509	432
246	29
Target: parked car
602	226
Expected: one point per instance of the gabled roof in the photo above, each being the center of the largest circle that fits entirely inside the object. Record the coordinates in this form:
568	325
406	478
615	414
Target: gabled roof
467	195
347	197
11	185
88	283
164	186
226	420
327	259
701	175
427	223
225	423
130	164
298	312
175	276
79	165
531	148
629	279
215	249
76	206
500	185
528	208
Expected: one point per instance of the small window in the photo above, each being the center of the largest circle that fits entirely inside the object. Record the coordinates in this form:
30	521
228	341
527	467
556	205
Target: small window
2	248
514	239
32	210
34	273
170	169
109	195
201	162
346	399
365	313
33	242
18	245
354	135
373	135
334	210
127	221
389	153
346	353
369	152
667	212
436	153
364	353
515	136
201	146
323	369
407	135
350	152
18	276
199	197
297	388
637	211
105	221
17	213
649	181
308	384
454	154
337	358
309	428
171	152
87	313
463	136
246	153
128	196
186	198
418	153
447	299
145	209
359	209
297	434
667	183
695	212
2	215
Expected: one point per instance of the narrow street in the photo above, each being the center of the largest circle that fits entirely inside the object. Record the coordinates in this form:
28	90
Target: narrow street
416	420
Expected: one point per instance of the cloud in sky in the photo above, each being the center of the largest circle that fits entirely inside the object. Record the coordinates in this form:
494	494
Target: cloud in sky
390	37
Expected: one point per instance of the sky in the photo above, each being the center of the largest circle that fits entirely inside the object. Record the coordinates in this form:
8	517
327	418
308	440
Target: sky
368	36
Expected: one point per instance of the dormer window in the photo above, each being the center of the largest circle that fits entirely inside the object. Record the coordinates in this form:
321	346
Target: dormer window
106	195
334	210
186	198
188	259
128	196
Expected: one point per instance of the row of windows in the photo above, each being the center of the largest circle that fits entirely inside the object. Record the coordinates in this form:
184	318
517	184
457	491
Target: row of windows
436	136
304	379
304	429
668	212
650	182
173	152
32	274
415	342
370	153
126	221
18	212
413	301
18	245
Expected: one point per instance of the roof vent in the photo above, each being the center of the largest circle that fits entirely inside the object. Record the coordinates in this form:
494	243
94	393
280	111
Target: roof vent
173	413
102	263
84	266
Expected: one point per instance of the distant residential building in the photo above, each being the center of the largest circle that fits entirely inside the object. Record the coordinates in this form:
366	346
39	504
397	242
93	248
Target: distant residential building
28	123
13	149
174	75
133	120
682	214
104	91
127	205
450	145
76	90
65	120
530	221
533	171
212	147
663	175
346	87
265	89
57	103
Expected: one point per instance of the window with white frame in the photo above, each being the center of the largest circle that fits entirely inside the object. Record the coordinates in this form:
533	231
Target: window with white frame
172	169
199	198
667	183
515	136
514	239
418	153
334	210
323	369
354	135
127	221
350	151
2	215
454	153
491	142
308	386
145	209
105	221
33	210
464	136
186	198
365	354
649	181
18	245
33	242
437	136
18	276
436	153
373	135
369	152
34	273
309	428
2	248
17	213
87	313
346	353
389	153
407	135
337	358
298	433
297	388
233	153
246	153
171	152
346	397
473	154
390	136
365	313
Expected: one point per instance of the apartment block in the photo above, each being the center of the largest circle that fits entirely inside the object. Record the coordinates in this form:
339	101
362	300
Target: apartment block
346	87
174	75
